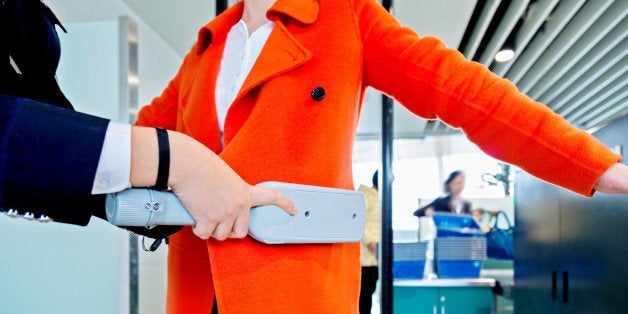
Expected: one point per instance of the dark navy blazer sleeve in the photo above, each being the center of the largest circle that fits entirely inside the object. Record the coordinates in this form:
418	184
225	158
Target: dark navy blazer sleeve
48	158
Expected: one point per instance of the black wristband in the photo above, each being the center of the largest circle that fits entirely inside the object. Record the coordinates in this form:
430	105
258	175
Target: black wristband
164	160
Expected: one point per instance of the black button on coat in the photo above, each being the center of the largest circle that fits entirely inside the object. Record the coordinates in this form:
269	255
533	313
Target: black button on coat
318	93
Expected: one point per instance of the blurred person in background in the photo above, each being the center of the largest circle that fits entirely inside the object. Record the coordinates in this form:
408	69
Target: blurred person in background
452	203
370	239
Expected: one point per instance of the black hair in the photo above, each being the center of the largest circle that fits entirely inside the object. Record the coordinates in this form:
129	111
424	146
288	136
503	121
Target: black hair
375	179
451	177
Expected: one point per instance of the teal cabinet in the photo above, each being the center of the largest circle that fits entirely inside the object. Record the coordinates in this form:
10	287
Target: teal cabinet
415	300
474	300
443	297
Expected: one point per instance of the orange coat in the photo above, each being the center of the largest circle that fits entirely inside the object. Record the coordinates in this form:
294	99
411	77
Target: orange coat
276	130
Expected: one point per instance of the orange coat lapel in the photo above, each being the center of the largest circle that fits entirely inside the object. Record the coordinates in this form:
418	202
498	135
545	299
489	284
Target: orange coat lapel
281	53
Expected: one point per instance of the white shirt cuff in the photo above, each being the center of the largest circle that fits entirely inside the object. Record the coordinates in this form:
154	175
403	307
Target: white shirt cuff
114	167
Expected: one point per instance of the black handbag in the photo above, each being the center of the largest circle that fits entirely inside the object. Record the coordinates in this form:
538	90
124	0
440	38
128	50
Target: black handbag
500	242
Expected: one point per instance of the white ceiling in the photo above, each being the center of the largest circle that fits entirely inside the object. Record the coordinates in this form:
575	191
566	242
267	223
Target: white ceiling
177	22
571	55
445	19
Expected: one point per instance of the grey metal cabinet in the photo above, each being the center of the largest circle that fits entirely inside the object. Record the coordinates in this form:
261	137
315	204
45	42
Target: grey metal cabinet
536	242
571	251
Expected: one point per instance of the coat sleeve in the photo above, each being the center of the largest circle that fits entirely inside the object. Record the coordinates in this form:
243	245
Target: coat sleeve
48	157
435	82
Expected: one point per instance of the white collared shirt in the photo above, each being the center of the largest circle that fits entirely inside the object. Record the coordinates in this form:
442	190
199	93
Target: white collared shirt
241	52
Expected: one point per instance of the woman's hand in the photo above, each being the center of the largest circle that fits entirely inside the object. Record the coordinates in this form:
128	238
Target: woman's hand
614	180
429	212
216	197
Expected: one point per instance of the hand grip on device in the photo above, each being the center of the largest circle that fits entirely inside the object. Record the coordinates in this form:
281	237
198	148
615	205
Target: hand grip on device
326	215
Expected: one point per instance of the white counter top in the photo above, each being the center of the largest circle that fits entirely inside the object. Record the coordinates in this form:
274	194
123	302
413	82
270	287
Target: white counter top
462	282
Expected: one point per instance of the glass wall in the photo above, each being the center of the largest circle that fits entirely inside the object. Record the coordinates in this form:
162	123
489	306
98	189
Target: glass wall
420	170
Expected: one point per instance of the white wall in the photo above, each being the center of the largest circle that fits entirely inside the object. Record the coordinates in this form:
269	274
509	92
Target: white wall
88	69
59	268
55	268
